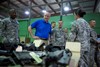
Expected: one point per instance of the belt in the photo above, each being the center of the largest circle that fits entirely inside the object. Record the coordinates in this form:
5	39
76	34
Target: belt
43	39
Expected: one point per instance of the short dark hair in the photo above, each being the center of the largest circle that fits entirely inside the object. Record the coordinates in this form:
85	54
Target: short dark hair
80	12
11	11
91	20
53	22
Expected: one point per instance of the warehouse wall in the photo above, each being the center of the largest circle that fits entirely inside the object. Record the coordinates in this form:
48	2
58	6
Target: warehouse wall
23	32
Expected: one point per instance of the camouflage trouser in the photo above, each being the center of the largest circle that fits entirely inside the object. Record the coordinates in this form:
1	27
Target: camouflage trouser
92	55
84	59
97	58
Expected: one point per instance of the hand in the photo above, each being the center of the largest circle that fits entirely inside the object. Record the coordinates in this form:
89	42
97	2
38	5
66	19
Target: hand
36	37
98	42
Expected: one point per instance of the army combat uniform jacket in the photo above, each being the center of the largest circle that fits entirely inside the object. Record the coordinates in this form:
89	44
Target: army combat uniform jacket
80	31
10	30
60	37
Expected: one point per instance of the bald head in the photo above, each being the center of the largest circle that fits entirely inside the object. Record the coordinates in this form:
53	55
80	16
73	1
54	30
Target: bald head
47	13
47	16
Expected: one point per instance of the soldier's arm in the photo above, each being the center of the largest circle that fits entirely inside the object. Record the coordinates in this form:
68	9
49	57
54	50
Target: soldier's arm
72	35
2	29
54	35
65	36
3	26
93	37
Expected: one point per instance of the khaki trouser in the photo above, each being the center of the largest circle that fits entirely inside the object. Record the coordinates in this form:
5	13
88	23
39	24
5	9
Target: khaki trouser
39	42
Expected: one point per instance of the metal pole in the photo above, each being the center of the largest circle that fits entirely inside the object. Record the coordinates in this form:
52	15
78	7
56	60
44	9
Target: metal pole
30	6
61	11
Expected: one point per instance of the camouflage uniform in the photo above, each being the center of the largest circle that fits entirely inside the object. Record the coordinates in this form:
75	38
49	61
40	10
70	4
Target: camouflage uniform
10	31
60	37
0	31
81	32
93	35
52	38
97	56
95	50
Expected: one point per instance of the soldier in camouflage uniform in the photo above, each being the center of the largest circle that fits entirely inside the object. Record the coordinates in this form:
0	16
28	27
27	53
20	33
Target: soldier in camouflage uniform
10	31
80	31
97	52
66	33
51	40
93	41
60	36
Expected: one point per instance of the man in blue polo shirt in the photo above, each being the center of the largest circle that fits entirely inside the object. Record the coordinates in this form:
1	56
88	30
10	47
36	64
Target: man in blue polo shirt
43	28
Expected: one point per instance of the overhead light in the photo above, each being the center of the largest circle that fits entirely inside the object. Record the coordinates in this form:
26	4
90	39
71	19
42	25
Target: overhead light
44	11
27	12
66	9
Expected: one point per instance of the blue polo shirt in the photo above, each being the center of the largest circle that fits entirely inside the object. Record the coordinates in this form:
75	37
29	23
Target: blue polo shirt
43	28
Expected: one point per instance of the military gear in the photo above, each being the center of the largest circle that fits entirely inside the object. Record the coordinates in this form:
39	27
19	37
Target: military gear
60	37
97	56
81	32
10	31
0	31
52	38
93	42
